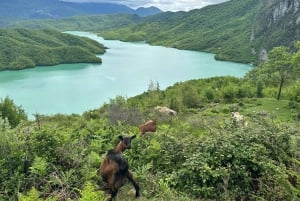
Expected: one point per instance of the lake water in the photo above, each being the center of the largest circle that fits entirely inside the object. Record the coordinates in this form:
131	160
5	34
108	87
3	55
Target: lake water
127	70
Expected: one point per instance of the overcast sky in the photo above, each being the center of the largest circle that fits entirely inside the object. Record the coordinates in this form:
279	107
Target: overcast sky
165	5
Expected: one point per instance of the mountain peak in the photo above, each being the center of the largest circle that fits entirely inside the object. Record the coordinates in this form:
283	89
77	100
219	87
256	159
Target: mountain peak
146	11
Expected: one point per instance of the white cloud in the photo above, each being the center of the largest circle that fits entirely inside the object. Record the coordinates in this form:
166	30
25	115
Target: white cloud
166	5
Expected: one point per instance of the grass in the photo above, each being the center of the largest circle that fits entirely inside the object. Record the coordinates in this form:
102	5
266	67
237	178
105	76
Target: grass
219	115
279	110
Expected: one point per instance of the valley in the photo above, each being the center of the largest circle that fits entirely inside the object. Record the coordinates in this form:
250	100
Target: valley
229	72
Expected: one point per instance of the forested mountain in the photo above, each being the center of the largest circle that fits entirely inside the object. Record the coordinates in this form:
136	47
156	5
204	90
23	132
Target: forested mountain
41	9
20	48
236	30
82	23
224	29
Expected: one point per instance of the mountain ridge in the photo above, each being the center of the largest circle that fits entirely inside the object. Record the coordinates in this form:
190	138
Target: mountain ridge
240	31
55	9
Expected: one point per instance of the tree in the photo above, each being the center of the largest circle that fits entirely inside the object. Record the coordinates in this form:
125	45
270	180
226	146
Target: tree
12	112
279	66
296	62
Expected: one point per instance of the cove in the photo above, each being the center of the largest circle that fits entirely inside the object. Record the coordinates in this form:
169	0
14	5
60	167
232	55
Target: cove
127	70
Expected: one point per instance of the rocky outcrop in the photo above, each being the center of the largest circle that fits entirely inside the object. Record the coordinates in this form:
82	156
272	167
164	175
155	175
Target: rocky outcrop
284	7
277	24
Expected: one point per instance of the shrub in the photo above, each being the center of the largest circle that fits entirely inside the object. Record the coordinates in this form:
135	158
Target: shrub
229	93
8	109
238	163
32	195
88	193
259	88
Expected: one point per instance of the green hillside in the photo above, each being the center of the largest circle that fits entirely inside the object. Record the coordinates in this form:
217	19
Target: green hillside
224	29
241	31
80	23
21	48
199	154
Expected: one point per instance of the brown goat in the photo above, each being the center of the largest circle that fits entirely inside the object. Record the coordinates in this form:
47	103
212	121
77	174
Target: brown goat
149	126
114	169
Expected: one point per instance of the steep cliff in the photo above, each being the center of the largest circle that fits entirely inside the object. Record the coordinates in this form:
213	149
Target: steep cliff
277	23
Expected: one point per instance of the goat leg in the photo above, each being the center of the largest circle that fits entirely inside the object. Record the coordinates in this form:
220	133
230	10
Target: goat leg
136	186
114	193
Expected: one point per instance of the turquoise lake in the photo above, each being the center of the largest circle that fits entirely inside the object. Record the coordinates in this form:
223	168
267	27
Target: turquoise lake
127	70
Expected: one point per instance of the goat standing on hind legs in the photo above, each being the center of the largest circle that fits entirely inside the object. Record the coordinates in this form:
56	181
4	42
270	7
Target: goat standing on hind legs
114	169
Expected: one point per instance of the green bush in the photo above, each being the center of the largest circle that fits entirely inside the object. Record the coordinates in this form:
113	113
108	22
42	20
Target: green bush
88	193
235	164
14	114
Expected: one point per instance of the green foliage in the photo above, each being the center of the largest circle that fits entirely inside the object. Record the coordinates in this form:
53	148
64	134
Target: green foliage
190	97
234	163
13	161
259	88
32	195
118	112
196	93
21	48
10	111
89	193
39	166
184	160
83	23
277	70
200	154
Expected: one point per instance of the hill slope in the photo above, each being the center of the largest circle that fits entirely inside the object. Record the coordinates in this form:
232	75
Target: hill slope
241	31
20	48
224	29
277	23
201	154
82	23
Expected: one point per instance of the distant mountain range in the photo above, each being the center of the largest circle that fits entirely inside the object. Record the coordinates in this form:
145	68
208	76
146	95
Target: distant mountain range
45	9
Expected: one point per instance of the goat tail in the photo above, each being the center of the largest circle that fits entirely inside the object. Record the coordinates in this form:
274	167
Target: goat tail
136	186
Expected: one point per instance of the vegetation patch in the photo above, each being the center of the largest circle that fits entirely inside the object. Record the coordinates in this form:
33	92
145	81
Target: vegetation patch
21	48
198	153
